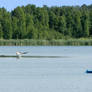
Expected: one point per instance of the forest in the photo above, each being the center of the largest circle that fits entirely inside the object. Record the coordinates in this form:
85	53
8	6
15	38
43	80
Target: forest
31	22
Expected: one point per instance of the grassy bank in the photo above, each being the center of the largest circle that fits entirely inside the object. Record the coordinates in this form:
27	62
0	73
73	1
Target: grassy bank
62	42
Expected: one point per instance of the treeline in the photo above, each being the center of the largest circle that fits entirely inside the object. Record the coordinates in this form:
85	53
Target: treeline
31	22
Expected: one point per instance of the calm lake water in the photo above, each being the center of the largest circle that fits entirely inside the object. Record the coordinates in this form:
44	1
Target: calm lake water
65	74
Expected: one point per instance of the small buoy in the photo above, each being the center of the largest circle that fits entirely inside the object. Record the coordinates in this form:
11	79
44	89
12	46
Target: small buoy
88	71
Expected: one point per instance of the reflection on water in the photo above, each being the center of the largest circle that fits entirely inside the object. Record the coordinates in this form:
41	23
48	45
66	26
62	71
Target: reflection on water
48	69
13	56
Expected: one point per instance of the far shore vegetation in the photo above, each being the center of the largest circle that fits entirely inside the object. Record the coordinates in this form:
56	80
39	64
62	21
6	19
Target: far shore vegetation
60	42
31	25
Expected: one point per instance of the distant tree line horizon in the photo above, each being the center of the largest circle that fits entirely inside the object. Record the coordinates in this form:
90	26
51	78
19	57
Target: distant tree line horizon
31	22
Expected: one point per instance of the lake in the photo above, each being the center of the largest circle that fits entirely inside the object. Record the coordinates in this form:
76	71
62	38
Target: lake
46	74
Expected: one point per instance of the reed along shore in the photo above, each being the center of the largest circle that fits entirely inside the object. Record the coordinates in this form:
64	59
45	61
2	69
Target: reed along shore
32	42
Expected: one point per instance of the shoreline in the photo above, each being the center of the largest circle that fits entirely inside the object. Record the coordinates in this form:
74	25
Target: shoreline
60	42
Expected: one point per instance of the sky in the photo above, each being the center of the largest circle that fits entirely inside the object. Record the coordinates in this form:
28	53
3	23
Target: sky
11	4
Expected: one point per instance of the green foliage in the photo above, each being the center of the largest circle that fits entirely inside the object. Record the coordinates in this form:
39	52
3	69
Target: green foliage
85	23
6	25
62	25
77	27
19	14
48	23
90	21
1	32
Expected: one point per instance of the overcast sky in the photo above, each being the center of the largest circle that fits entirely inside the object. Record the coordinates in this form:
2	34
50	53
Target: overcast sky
11	4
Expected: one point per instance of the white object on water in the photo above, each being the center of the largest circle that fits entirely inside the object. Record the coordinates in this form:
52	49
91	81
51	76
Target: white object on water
19	54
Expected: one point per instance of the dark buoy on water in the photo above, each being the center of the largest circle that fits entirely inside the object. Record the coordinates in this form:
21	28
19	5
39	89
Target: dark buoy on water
88	71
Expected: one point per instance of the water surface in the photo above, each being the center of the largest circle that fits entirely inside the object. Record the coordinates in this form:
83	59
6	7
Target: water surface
66	74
